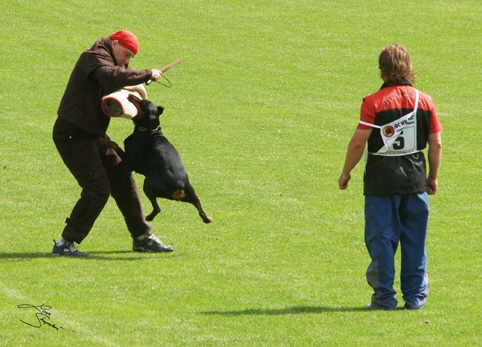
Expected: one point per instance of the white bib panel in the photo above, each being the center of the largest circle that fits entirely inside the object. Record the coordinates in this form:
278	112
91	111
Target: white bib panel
400	136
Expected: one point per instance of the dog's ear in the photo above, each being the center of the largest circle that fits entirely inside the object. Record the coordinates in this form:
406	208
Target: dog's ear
131	97
160	109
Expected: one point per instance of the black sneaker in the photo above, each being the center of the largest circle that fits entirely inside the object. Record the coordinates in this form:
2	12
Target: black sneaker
408	307
150	244
68	249
377	307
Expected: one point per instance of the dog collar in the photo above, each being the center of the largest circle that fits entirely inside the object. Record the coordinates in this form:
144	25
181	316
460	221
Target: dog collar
145	129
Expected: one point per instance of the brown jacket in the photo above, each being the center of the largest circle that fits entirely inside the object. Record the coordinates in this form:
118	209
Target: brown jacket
94	76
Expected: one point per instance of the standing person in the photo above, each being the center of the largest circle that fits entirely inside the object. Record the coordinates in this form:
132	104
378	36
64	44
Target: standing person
396	123
99	169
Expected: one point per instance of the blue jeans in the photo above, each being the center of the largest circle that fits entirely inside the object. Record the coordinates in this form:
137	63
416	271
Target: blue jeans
390	220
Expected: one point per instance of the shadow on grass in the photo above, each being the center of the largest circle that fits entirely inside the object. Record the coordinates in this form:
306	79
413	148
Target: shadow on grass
125	255
287	311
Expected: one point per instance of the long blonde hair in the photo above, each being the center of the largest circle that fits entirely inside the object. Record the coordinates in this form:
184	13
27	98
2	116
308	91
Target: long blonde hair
395	65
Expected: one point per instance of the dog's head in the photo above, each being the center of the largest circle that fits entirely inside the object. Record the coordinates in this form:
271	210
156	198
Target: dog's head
147	112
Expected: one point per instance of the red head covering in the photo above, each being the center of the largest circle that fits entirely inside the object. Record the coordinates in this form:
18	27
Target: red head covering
126	39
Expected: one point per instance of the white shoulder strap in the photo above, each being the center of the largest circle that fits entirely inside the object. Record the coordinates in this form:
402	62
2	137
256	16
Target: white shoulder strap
370	124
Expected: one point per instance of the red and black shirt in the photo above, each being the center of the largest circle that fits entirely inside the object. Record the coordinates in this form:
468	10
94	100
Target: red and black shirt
391	170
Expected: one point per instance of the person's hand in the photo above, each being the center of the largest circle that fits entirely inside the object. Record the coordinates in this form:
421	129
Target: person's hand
432	186
156	74
343	181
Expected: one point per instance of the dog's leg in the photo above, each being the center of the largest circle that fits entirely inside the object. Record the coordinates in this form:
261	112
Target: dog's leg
155	209
108	143
206	219
151	195
192	198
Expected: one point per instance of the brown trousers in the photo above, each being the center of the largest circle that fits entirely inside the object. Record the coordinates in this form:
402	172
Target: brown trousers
100	173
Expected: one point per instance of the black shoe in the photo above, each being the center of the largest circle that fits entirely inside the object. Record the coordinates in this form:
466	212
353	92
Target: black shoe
408	307
150	244
68	249
378	307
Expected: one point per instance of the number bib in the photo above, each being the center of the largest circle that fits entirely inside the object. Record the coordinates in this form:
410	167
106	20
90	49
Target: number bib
400	136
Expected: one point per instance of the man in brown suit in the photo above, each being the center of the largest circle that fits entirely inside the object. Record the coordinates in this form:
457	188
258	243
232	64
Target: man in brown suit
99	170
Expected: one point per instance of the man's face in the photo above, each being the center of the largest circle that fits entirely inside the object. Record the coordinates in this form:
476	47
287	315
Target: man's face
121	54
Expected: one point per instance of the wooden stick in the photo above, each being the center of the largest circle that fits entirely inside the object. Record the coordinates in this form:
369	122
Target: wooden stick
164	69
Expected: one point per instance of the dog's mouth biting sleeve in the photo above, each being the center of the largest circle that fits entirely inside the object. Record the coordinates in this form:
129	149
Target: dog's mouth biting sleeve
116	104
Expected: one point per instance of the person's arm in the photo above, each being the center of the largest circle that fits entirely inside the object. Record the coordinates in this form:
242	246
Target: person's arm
434	161
100	66
356	147
117	77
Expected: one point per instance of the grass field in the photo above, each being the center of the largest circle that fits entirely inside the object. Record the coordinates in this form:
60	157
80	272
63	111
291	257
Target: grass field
261	111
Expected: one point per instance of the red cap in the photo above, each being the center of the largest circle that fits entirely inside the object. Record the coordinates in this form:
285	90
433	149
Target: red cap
126	39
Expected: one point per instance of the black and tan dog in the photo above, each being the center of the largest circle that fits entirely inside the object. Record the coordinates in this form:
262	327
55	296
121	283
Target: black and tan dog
150	153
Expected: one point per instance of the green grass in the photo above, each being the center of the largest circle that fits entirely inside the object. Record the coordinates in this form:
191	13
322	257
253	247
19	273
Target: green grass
261	111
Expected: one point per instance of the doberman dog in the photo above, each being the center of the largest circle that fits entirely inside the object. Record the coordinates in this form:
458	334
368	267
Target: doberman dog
149	152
